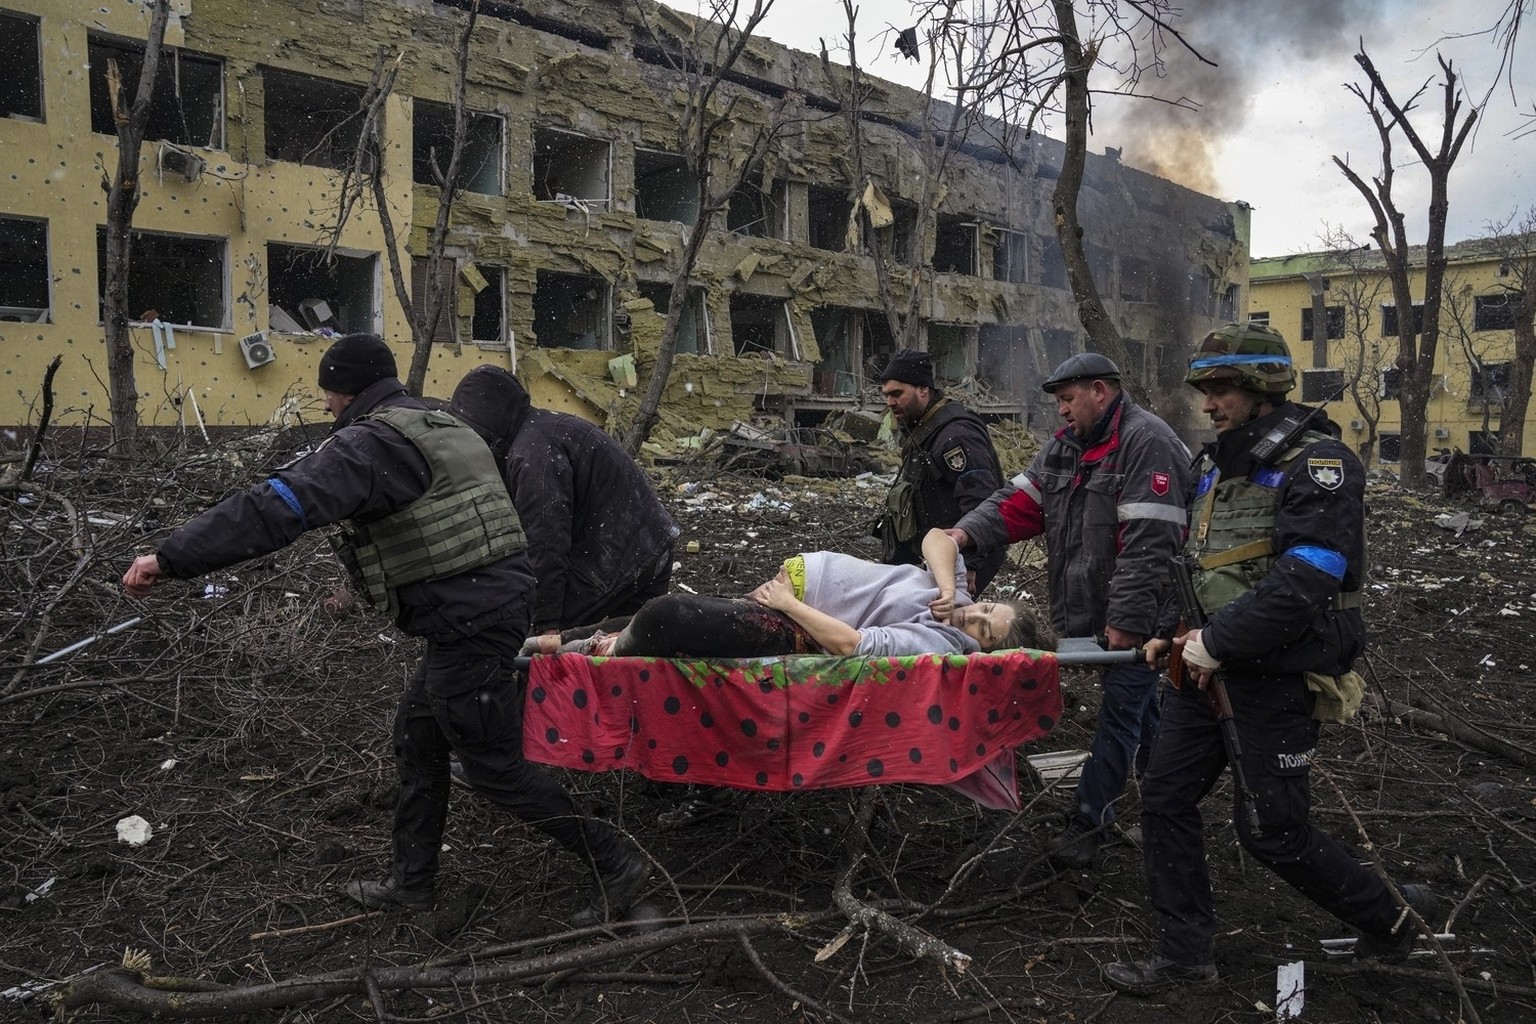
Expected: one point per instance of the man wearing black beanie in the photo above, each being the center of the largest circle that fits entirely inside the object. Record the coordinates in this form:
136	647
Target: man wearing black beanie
948	465
429	535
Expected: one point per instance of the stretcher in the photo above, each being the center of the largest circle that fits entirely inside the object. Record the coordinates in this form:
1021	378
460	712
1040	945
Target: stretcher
797	722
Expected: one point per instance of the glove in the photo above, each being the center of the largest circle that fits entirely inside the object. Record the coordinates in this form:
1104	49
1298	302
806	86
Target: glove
1195	653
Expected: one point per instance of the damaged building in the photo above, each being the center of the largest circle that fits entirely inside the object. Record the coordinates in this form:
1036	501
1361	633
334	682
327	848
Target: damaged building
575	209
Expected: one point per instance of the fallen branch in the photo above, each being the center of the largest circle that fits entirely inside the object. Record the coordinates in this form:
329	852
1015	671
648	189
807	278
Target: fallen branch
1462	732
309	929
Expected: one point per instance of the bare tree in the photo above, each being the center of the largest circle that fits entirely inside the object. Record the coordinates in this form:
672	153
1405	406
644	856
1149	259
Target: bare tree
364	180
122	200
1355	284
1415	354
706	129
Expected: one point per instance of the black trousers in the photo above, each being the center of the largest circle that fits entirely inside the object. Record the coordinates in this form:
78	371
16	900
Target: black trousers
700	626
466	697
1277	735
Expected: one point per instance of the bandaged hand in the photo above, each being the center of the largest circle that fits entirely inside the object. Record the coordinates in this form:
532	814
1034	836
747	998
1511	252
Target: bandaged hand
1195	653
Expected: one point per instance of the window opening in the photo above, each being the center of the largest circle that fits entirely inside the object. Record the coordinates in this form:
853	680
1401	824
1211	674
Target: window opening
953	347
24	276
567	166
178	279
21	68
312	292
187	107
665	187
570	310
758	324
311	120
756	212
827	213
1495	312
432	138
1325	384
1389	320
954	245
834	376
1010	257
1002	359
1053	266
1334	316
690	338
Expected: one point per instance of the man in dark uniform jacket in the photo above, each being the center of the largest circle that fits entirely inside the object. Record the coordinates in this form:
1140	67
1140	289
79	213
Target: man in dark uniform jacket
432	538
600	540
1277	535
948	465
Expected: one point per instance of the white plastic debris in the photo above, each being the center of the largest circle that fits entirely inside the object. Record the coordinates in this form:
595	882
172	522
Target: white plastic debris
41	891
168	764
212	590
1290	990
134	830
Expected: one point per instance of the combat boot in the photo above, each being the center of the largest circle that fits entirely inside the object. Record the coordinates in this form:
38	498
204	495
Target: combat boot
614	892
388	895
1394	946
1147	977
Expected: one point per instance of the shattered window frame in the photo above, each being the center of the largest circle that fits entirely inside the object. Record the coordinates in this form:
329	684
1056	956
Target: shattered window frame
490	305
315	134
752	206
1334	315
665	186
659	293
1495	312
956	245
1391	384
1389	446
743	304
1488	381
352	274
953	347
552	292
1322	384
25	270
548	186
187	105
1010	257
827	211
1389	319
1259	317
838	332
178	284
483	164
21	74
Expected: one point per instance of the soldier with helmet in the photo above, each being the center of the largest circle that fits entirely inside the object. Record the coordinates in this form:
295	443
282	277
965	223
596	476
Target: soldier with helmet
1107	493
1277	539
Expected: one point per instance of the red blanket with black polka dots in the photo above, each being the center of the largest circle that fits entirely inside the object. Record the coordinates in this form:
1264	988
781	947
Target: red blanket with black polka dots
813	722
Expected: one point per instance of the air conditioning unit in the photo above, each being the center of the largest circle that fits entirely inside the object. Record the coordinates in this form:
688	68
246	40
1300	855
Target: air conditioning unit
257	350
1357	425
1441	433
179	161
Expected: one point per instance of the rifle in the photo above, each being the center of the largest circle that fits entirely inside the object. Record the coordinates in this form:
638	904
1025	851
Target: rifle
1181	572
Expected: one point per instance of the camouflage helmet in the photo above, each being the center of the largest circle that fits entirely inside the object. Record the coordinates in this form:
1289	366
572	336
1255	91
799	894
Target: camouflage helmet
1251	356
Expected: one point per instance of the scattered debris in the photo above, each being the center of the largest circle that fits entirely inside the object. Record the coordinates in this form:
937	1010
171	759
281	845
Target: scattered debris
134	830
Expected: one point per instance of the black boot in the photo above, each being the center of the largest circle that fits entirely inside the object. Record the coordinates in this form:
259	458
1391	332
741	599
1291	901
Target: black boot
614	892
1145	977
388	895
1394	946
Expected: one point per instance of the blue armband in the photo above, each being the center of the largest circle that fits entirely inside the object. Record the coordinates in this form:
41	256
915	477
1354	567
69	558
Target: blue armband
290	499
1323	559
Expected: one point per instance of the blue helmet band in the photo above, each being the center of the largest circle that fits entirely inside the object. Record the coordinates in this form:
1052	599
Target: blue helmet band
1206	362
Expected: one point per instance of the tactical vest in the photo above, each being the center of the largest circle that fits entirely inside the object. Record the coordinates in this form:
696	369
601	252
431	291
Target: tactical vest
1231	530
909	503
464	520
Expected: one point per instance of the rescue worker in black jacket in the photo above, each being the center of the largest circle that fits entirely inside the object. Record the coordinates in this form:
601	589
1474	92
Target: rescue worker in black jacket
1277	526
948	466
600	540
432	538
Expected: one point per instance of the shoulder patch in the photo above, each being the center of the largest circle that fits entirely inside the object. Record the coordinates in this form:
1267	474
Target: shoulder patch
954	458
1160	483
1326	473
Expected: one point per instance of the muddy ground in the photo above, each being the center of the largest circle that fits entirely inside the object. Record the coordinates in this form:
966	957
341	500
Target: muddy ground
250	730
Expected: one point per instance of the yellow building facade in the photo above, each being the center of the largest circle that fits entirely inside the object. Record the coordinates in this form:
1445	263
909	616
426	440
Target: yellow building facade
1351	372
566	235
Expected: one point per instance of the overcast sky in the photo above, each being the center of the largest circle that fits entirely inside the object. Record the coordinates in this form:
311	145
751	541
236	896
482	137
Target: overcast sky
1276	109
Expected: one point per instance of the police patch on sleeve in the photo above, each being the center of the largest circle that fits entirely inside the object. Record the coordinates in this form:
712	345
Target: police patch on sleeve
955	459
1326	473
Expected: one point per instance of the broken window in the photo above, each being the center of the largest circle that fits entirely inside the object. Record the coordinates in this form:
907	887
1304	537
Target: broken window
755	211
953	348
877	343
21	68
827	213
1389	320
23	270
1482	442
1059	346
1322	385
441	329
178	279
954	245
834	376
1334	316
1389	447
692	326
1135	279
1053	266
1260	317
1010	257
1496	312
432	140
488	322
1003	359
187	106
759	323
1490	382
311	120
665	187
1391	383
307	290
898	239
1227	306
567	166
570	310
